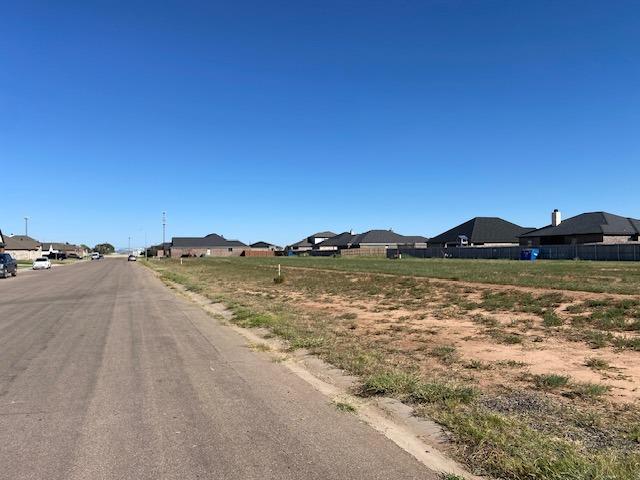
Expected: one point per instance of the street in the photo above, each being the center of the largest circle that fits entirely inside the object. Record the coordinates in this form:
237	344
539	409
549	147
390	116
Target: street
107	374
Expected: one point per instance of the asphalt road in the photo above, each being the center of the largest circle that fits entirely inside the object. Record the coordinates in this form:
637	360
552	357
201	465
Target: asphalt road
106	374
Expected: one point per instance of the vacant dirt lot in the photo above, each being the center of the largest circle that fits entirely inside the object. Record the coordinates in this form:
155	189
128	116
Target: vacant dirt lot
507	368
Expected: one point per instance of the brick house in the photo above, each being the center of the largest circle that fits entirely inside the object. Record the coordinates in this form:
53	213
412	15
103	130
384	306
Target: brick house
591	227
213	245
21	247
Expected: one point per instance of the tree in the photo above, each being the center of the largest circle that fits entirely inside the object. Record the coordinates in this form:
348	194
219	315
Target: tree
104	248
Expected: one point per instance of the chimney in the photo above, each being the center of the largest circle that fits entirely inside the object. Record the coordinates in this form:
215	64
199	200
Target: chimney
556	218
351	232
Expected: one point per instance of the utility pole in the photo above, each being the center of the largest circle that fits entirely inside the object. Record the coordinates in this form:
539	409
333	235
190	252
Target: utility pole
129	245
145	245
26	226
164	227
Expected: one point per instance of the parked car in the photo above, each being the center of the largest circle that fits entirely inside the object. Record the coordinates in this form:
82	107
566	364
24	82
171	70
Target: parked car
96	256
42	263
132	258
8	265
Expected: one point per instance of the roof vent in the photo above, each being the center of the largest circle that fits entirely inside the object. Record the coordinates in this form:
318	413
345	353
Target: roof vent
556	218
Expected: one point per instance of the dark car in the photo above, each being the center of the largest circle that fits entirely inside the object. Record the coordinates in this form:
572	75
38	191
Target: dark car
8	265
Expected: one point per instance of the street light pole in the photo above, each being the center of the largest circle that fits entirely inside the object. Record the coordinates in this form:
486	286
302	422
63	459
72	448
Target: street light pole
129	245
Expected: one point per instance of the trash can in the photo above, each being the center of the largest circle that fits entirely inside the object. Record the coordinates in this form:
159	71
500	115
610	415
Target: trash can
530	254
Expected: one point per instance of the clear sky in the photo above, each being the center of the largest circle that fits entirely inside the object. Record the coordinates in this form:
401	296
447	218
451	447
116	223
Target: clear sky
270	120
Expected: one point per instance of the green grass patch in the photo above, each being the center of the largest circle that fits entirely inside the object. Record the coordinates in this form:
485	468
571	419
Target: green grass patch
550	381
550	319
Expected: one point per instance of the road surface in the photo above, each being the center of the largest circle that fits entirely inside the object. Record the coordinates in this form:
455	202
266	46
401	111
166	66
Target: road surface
106	374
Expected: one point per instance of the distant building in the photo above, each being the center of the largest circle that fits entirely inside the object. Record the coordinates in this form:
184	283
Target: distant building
21	247
213	245
480	231
307	244
592	227
371	239
63	250
265	246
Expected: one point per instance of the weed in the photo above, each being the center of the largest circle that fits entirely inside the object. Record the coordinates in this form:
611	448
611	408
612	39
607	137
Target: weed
597	363
445	353
550	319
550	381
345	407
590	390
477	365
390	383
260	347
451	476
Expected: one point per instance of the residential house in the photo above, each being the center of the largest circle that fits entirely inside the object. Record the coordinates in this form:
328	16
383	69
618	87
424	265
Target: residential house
213	245
373	239
160	250
480	231
265	246
591	227
21	247
63	250
307	244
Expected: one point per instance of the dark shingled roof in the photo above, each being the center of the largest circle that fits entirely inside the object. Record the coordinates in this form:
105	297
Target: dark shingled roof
326	234
347	239
306	243
211	240
341	240
380	236
20	242
262	245
482	230
590	223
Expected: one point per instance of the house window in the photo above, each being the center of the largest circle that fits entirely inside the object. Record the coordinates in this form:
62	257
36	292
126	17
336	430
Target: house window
231	249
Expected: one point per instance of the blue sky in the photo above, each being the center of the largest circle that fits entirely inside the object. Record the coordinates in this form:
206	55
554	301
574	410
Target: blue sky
273	120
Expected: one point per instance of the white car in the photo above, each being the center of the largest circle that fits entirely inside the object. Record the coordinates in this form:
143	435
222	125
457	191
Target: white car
42	263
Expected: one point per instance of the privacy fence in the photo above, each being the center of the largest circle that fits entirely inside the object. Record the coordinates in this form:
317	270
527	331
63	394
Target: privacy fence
617	252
